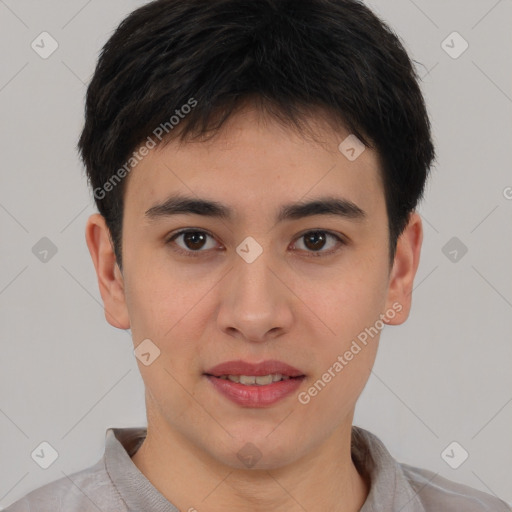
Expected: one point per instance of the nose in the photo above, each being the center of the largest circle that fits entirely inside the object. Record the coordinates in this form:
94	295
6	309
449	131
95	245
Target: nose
256	303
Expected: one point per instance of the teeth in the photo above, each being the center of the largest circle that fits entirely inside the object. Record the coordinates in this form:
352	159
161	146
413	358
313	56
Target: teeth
264	379
244	379
249	380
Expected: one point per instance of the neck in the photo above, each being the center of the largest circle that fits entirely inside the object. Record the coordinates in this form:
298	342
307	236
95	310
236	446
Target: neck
190	479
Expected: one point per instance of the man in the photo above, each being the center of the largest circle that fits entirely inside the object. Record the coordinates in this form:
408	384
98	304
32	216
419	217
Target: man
256	166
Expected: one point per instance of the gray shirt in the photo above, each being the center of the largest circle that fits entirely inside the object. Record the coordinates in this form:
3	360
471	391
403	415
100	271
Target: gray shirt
114	484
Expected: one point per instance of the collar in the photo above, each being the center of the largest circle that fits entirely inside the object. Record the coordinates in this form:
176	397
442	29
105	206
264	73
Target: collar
389	488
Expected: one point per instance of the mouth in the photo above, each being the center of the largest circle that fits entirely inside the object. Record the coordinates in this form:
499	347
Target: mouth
255	373
256	380
255	384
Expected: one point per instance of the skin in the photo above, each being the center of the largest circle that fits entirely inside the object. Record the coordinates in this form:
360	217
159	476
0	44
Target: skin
286	305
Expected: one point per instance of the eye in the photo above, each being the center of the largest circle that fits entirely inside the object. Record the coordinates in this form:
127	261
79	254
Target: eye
194	241
315	241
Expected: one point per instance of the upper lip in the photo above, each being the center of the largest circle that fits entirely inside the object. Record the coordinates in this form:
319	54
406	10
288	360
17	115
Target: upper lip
240	367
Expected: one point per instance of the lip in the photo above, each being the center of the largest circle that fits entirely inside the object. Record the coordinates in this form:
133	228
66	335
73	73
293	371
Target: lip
240	367
255	395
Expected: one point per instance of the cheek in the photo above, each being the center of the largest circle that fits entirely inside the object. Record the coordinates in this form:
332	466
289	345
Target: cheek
332	393
351	308
157	300
167	312
348	303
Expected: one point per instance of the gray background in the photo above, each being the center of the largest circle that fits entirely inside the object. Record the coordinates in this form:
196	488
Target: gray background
66	375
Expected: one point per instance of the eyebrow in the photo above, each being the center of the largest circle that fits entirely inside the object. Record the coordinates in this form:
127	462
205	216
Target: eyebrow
179	204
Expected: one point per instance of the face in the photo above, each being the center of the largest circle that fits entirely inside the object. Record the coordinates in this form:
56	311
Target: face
250	286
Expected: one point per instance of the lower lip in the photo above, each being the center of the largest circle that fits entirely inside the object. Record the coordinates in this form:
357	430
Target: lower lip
255	396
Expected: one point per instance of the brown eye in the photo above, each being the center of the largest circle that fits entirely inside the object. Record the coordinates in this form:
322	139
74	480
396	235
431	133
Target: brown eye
193	241
314	242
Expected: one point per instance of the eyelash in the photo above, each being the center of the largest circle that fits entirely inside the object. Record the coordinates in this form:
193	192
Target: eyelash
195	254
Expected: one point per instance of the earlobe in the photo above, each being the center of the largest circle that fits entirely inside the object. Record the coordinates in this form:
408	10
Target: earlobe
110	278
404	269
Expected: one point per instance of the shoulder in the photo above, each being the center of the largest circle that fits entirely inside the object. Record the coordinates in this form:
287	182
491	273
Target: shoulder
400	486
438	493
87	490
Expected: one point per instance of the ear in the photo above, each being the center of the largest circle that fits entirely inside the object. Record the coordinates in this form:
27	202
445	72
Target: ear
405	265
110	278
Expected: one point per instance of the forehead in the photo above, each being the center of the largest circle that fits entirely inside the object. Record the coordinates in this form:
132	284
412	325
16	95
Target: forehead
253	161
